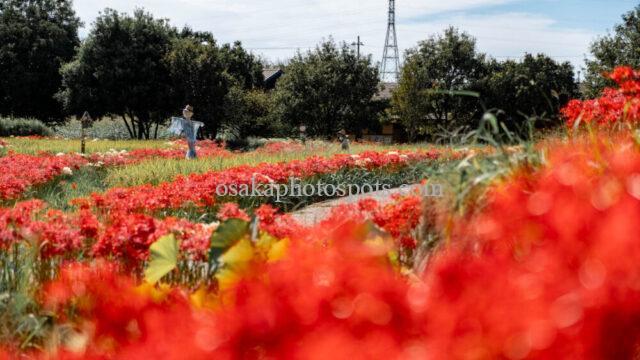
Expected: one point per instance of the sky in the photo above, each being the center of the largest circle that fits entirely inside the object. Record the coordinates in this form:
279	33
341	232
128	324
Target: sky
277	29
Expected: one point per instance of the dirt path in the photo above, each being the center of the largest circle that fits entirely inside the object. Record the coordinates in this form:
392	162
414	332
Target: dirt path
317	212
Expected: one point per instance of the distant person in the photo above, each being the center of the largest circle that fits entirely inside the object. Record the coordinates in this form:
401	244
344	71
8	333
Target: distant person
189	128
344	140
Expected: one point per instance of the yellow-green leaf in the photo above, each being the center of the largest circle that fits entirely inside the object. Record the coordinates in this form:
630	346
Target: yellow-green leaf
164	258
226	235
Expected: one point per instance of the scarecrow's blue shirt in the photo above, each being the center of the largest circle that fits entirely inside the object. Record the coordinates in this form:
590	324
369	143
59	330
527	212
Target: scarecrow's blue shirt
187	127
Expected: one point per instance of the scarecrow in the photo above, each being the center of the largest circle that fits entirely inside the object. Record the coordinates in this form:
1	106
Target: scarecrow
184	125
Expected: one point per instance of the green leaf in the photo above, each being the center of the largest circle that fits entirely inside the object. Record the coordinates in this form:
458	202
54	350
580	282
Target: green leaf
227	234
164	258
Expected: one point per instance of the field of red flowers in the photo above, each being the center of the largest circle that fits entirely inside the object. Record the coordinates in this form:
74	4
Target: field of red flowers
540	262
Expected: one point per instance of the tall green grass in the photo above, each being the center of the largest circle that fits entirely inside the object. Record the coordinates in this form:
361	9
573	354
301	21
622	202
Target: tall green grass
157	171
33	146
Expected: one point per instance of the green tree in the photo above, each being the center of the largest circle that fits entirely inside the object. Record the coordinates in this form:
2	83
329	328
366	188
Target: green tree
143	70
245	67
36	38
203	74
620	48
327	89
199	78
410	104
249	113
120	70
434	74
536	86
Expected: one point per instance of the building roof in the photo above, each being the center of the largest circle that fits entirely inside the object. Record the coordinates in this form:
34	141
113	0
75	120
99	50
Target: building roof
385	91
271	76
270	73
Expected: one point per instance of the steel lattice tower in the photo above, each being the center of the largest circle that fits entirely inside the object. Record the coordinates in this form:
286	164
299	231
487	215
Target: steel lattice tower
390	67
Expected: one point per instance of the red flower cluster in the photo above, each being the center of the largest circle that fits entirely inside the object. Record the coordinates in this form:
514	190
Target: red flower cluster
279	147
339	298
339	301
546	269
113	318
56	233
549	268
399	218
200	190
19	172
614	106
232	211
127	237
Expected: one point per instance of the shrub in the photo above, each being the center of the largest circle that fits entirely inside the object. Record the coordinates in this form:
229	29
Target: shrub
104	128
23	127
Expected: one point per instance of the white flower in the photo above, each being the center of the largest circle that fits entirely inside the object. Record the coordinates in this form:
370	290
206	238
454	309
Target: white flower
94	140
404	157
67	170
60	154
355	156
390	153
213	226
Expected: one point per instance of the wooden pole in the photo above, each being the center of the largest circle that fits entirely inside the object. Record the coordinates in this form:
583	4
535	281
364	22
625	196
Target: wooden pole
84	124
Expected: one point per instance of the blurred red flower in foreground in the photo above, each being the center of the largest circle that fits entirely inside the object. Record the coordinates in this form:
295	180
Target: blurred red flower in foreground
548	269
340	299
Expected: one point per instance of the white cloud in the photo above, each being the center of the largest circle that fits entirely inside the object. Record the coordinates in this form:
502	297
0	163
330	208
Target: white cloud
275	28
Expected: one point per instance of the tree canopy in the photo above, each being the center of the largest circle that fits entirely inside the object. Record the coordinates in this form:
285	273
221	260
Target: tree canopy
144	70
534	87
620	48
36	38
436	67
327	89
446	84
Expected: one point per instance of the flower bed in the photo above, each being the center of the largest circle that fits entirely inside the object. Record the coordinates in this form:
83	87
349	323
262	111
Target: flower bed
20	172
199	190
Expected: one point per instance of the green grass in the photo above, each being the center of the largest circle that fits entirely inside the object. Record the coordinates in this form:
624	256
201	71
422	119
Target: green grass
33	146
162	170
85	181
60	192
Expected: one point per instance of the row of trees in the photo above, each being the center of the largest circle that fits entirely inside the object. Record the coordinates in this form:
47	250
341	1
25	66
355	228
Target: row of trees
143	70
446	84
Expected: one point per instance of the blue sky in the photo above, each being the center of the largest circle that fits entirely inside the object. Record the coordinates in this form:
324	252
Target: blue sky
276	29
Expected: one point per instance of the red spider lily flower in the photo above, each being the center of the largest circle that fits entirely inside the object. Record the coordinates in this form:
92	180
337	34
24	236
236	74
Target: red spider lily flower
344	298
547	269
20	172
128	237
615	106
232	211
199	190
